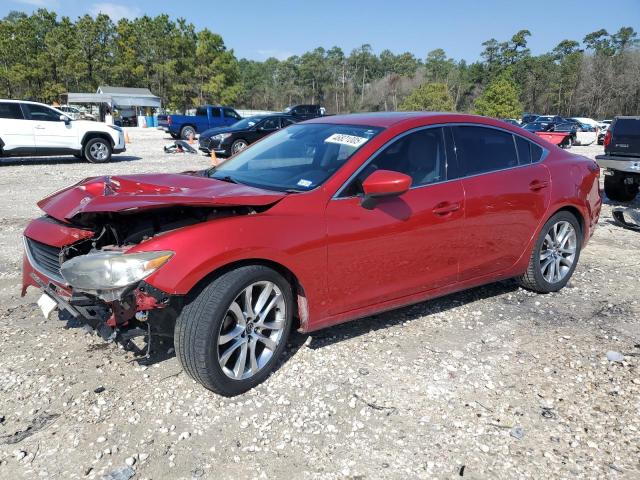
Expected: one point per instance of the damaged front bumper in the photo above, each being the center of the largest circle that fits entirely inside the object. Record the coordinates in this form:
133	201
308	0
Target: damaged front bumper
139	306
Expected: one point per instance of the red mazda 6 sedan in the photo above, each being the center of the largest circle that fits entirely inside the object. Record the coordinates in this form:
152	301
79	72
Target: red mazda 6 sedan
325	221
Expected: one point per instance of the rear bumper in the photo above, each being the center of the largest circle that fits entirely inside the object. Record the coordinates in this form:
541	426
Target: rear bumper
622	164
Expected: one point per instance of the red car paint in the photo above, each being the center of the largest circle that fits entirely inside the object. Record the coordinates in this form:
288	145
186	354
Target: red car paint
140	192
557	138
349	261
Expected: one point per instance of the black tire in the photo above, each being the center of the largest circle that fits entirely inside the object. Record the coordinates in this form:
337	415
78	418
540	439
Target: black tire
187	131
238	146
617	190
175	136
97	150
199	324
533	279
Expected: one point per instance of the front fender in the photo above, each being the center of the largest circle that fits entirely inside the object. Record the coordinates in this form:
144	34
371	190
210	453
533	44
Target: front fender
295	242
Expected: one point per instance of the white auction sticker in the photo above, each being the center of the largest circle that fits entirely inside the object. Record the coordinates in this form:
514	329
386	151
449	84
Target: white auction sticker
342	139
304	183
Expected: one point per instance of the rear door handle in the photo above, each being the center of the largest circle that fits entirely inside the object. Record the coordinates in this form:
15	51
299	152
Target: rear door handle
39	127
538	185
445	208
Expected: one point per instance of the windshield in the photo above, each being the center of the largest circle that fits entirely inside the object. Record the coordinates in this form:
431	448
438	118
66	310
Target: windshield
298	158
247	122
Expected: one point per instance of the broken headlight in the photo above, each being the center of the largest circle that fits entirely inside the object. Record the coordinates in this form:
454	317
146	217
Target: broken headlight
111	270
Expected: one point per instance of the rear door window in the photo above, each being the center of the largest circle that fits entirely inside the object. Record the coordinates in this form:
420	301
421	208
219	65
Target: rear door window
11	110
229	113
202	112
483	150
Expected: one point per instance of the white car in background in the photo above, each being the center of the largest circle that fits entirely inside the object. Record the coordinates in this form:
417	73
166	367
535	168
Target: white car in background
604	126
75	113
35	129
587	132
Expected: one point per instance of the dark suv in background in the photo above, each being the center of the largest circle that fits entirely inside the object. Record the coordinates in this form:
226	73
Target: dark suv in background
304	112
621	160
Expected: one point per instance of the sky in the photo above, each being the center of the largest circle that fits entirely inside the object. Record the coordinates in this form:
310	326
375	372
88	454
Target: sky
258	29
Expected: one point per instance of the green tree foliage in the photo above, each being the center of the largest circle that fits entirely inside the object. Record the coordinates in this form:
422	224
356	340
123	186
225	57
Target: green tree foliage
43	55
432	97
500	99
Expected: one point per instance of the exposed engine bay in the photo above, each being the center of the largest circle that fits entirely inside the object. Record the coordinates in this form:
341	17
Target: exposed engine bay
137	309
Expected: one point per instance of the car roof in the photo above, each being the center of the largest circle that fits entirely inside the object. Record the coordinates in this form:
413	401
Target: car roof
20	101
387	119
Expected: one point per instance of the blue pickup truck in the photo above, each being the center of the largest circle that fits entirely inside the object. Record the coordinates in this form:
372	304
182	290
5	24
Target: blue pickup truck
206	117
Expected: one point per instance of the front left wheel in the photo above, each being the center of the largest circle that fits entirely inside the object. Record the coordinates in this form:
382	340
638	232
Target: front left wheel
97	150
231	333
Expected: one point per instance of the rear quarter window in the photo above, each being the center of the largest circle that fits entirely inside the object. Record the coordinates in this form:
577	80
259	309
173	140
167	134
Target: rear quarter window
528	152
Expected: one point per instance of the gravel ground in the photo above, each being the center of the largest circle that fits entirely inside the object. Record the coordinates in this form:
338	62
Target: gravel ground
495	382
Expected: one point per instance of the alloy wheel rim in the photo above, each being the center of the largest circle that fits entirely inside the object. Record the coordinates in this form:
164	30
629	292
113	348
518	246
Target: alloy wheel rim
558	252
251	331
98	151
239	146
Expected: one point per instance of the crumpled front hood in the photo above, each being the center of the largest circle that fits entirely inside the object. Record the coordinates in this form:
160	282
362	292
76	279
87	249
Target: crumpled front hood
129	193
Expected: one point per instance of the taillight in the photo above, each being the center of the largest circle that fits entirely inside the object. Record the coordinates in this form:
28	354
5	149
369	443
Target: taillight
607	138
169	121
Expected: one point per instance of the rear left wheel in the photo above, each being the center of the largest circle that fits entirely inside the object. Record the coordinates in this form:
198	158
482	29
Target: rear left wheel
230	335
555	254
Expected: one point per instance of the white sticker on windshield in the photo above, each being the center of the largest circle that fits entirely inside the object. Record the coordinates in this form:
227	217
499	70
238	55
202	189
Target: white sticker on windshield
342	139
304	183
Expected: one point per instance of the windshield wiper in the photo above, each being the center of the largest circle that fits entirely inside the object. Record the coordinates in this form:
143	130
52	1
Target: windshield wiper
294	190
226	178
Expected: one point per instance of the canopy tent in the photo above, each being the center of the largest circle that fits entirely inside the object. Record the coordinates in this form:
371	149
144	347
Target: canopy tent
118	97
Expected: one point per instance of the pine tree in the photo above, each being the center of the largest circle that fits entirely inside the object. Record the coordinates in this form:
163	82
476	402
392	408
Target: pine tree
429	96
500	99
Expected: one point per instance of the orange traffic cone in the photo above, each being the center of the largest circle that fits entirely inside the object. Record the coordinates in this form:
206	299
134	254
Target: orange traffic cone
191	139
214	159
126	137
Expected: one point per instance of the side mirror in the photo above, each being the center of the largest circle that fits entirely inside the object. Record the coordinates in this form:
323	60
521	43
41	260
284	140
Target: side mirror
65	119
383	183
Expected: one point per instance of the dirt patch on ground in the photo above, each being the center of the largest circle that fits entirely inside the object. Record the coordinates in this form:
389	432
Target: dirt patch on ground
495	382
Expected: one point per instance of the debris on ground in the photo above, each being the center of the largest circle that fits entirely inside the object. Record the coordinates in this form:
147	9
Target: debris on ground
37	424
434	390
614	356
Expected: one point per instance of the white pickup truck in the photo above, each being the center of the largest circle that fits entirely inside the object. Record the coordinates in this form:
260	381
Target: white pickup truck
35	129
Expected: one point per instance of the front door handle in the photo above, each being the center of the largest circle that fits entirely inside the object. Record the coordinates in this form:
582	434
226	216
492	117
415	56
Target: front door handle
445	208
538	185
39	127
